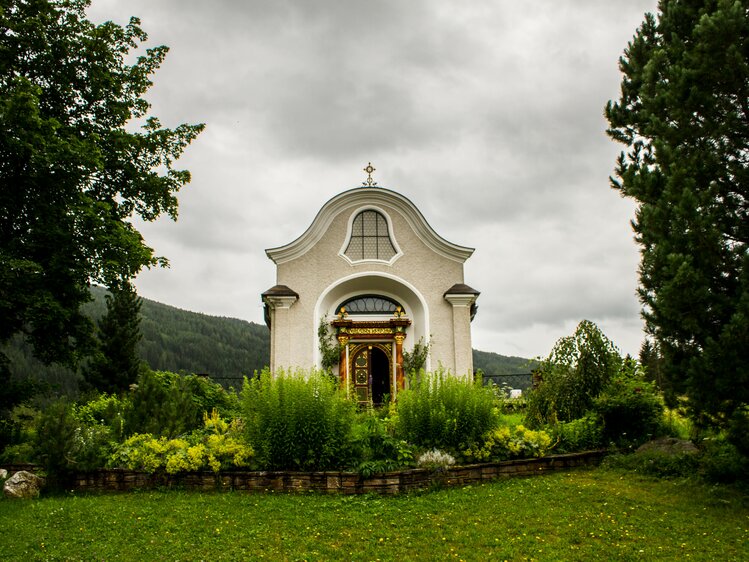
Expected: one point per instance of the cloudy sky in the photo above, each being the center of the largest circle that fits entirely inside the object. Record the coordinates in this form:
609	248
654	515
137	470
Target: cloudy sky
486	114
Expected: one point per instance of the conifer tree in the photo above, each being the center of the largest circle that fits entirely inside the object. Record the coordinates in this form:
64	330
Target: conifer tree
684	116
650	358
116	365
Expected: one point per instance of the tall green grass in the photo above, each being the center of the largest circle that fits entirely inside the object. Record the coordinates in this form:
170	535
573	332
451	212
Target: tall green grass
298	421
446	412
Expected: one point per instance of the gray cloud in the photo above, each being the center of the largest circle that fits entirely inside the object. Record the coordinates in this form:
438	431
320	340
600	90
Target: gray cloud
487	115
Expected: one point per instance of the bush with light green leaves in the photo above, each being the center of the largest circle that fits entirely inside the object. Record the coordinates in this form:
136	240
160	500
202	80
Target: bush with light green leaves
504	443
219	446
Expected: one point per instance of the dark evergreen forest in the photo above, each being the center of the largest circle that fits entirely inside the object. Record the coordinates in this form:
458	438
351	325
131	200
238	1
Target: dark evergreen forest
175	340
226	349
494	364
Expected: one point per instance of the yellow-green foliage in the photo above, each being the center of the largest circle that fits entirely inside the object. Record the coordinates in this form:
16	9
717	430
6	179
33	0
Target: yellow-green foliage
217	448
506	443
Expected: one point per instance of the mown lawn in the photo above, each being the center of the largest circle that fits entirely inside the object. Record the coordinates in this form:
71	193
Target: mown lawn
582	515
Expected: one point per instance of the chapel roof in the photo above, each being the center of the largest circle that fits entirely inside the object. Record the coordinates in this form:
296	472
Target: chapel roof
352	199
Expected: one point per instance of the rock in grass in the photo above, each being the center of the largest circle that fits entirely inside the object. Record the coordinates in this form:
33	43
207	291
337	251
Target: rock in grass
23	485
3	474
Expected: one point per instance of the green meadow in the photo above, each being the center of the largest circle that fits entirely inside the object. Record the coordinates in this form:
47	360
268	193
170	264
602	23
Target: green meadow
599	514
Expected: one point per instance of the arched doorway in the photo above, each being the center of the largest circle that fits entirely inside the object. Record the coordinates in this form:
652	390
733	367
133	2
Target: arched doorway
374	284
372	369
380	375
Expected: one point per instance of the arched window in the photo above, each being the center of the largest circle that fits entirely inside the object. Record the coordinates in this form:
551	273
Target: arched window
370	304
370	238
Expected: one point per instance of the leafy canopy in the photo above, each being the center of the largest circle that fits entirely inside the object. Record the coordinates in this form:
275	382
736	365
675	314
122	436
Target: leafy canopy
576	371
74	170
684	116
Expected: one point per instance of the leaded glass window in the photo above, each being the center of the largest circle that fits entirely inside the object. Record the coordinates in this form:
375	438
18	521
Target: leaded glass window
370	238
370	304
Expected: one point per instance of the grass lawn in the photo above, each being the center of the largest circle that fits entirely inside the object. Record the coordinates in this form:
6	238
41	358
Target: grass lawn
581	515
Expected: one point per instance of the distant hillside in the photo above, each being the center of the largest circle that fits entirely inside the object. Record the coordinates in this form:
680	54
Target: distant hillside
180	340
496	364
224	348
173	340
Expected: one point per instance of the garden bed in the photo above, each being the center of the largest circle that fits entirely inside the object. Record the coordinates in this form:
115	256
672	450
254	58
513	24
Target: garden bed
331	482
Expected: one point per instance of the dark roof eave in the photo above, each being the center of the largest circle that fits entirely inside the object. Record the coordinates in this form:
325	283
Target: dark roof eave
461	289
280	291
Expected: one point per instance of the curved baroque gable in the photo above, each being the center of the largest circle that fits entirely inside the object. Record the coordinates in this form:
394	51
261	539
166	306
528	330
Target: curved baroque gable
358	197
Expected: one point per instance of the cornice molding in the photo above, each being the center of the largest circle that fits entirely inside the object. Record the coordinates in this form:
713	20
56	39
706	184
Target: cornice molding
460	300
280	301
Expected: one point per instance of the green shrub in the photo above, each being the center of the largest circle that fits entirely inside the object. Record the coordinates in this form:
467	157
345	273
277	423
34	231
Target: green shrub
630	407
330	349
738	430
63	445
18	453
414	360
375	445
208	396
170	404
9	433
298	421
505	443
721	461
217	447
446	412
108	410
718	461
582	434
572	376
654	463
21	427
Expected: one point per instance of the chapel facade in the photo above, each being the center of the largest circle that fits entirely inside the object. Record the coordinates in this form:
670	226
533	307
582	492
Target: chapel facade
373	269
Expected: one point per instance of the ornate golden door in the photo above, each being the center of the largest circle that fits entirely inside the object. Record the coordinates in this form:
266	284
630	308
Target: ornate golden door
371	365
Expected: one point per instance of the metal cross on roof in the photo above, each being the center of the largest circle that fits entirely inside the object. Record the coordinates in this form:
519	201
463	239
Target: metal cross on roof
369	182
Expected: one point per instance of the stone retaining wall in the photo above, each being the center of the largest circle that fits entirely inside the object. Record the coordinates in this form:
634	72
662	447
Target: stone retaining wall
332	482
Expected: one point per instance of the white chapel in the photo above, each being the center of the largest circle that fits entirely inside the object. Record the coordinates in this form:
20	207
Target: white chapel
372	267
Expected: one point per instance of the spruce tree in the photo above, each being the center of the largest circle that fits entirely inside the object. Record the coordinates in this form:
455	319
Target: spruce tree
684	116
651	359
116	365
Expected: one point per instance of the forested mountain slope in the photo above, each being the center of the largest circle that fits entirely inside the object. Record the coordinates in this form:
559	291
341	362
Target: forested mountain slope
180	340
224	348
496	364
173	340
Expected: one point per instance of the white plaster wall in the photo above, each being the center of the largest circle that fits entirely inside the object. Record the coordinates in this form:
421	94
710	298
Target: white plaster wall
430	273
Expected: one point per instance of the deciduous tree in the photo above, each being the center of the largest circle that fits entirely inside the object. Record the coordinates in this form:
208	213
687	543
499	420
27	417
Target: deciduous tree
573	375
74	168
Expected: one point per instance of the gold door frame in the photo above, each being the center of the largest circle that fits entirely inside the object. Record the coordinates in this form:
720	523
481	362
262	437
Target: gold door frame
357	382
388	335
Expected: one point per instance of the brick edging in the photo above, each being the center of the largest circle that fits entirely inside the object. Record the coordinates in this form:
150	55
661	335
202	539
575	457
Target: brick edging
331	482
